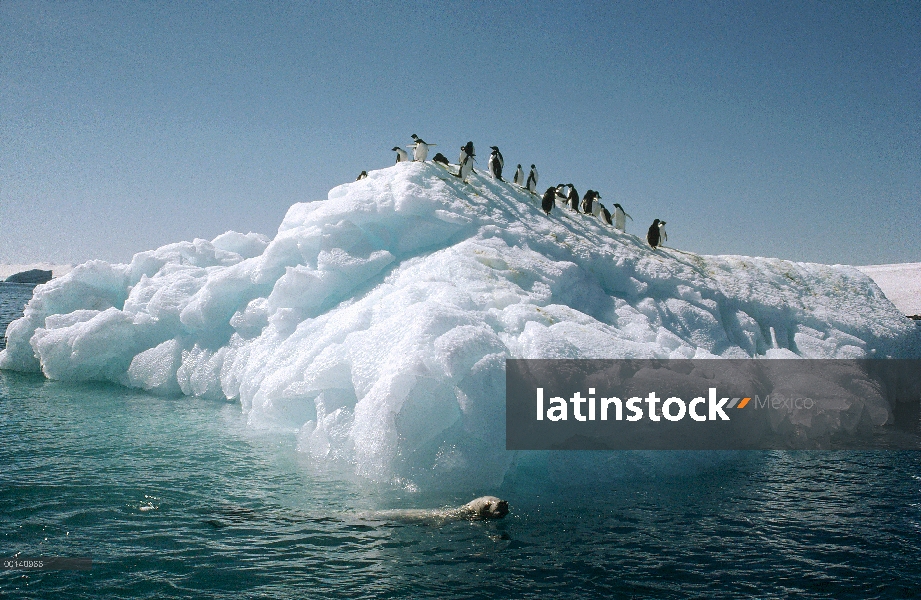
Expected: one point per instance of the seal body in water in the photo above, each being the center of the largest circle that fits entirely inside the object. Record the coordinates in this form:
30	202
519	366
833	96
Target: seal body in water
481	509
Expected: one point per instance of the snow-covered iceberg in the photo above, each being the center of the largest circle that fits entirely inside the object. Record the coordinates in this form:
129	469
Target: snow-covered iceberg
377	322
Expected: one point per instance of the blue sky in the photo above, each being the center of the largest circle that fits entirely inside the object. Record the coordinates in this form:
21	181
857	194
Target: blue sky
760	128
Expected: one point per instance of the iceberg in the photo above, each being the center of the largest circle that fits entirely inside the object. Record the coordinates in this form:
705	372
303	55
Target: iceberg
376	323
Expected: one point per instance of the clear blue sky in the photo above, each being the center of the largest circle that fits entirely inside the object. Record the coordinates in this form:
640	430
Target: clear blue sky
760	128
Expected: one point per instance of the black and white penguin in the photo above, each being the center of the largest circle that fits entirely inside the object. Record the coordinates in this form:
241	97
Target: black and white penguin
519	176
495	150
466	168
587	200
531	184
466	150
596	205
653	235
604	214
620	217
573	198
562	192
441	158
402	155
663	237
495	163
420	149
362	175
546	203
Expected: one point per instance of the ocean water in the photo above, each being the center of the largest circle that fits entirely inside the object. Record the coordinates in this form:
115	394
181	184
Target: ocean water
180	497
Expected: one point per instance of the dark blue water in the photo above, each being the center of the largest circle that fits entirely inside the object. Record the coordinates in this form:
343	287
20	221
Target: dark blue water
181	498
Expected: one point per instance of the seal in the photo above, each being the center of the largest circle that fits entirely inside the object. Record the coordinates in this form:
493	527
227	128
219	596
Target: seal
484	507
481	509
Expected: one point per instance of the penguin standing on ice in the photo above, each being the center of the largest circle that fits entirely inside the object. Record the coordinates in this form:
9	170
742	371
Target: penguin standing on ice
466	168
573	198
604	214
519	176
562	192
495	150
546	203
496	163
362	175
402	155
466	150
652	236
596	205
663	237
588	200
620	217
532	180
420	149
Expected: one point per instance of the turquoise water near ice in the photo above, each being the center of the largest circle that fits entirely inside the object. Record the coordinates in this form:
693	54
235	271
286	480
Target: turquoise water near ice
180	497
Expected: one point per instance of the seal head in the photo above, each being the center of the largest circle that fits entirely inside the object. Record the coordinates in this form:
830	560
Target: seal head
486	507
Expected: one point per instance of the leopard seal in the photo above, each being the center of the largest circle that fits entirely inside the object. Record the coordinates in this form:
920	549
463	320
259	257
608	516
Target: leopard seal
480	509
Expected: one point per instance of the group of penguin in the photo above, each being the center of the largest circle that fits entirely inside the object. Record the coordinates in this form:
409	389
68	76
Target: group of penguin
566	191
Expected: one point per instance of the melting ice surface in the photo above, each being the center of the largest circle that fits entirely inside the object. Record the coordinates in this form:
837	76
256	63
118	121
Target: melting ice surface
377	322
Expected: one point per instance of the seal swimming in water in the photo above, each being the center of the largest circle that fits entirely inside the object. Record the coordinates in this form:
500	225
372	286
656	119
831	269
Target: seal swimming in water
480	509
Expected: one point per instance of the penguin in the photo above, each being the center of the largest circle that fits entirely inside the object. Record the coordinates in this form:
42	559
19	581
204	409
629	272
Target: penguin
532	180
605	215
652	236
420	148
466	150
519	176
548	200
663	237
596	205
495	163
573	198
362	175
402	155
587	201
620	217
495	150
441	158
562	191
465	168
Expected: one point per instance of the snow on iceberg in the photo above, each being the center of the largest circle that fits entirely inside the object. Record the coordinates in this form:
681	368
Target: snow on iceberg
377	322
